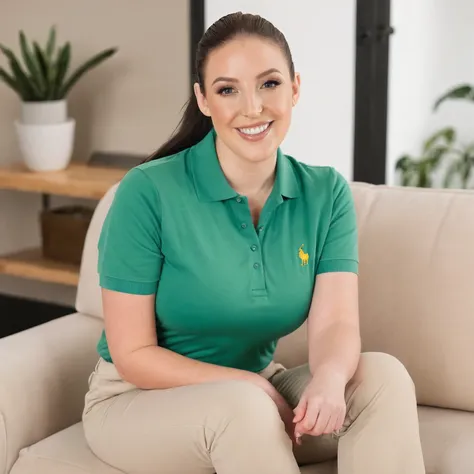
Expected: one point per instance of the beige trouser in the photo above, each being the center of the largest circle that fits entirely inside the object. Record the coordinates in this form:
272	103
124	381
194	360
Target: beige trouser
233	427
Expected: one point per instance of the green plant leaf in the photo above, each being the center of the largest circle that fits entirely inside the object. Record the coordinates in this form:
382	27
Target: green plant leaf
464	91
447	134
91	63
465	172
435	156
23	81
36	78
403	163
450	173
43	67
61	66
51	44
10	81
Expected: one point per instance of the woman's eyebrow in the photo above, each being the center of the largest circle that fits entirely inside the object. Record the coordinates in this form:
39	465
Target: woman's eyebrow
233	79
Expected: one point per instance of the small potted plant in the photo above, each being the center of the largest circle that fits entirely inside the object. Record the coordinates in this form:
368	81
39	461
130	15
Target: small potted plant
45	132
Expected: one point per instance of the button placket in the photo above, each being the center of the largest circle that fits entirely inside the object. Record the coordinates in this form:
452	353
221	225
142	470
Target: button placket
251	235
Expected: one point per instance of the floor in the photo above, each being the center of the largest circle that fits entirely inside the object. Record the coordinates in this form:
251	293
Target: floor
18	314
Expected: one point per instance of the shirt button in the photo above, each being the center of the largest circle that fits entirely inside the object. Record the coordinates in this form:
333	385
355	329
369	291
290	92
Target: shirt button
256	265
238	199
260	228
253	248
243	225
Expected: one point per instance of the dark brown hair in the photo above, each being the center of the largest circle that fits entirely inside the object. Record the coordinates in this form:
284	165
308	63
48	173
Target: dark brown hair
194	125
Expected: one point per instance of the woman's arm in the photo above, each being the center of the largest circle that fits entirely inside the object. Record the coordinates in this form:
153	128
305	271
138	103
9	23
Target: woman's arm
334	350
333	325
131	335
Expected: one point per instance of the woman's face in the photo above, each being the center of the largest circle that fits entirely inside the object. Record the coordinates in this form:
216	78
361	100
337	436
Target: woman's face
249	95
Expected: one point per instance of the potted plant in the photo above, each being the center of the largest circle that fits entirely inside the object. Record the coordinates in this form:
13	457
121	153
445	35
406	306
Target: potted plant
418	171
45	132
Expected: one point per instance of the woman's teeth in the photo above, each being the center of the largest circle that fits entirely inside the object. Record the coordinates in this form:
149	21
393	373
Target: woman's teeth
255	130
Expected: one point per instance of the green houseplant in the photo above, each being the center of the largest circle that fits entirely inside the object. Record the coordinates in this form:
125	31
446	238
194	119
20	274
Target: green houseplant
442	145
418	171
42	79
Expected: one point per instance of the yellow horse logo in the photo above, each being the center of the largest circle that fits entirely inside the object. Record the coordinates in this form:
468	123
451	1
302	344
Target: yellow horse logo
303	256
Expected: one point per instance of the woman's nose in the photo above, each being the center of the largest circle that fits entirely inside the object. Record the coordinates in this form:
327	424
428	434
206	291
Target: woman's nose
252	106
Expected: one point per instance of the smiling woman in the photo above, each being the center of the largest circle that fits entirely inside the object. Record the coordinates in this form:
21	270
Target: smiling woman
214	249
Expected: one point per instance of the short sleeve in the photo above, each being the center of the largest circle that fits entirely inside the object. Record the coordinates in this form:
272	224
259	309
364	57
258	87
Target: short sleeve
130	258
340	249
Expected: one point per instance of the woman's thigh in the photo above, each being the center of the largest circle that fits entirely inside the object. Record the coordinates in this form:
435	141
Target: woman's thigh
291	384
192	429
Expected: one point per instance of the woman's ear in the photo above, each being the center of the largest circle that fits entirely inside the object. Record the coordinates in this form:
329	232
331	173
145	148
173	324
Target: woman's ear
201	100
296	88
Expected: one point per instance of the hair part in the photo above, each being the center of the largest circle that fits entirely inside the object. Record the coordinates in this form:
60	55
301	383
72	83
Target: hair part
194	125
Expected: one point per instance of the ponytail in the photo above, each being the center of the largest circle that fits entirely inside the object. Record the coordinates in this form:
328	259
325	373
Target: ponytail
192	128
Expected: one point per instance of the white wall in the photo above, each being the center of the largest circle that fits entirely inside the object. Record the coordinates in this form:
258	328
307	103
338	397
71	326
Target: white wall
131	103
321	37
431	51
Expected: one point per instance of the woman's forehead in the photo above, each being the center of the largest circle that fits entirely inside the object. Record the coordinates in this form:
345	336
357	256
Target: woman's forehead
245	56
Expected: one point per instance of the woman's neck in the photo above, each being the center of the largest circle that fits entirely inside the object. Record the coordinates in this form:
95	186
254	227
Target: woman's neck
247	178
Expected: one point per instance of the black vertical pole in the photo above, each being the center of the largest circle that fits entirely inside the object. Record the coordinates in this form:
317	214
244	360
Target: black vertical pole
196	22
373	31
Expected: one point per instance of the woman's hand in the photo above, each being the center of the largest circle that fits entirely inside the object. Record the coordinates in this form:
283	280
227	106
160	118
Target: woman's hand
322	406
285	411
287	415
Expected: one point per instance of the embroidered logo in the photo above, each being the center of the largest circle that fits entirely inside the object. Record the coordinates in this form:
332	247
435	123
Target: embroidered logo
303	256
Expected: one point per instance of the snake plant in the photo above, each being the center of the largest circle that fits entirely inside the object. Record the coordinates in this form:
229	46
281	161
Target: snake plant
44	74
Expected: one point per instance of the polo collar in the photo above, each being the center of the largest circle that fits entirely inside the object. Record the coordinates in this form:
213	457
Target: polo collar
211	184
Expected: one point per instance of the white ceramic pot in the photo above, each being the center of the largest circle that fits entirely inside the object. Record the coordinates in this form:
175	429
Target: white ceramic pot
46	147
43	113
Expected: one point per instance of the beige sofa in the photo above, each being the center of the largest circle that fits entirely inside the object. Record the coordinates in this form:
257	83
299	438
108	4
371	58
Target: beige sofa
416	302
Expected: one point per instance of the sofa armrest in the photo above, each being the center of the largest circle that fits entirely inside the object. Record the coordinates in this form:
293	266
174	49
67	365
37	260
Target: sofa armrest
43	379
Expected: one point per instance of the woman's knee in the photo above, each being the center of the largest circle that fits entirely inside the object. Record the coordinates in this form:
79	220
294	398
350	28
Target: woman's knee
380	372
243	403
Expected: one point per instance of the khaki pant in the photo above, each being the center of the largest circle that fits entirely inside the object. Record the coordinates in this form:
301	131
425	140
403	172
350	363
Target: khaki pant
233	427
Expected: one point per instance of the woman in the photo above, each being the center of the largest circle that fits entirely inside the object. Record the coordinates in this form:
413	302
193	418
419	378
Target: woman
214	249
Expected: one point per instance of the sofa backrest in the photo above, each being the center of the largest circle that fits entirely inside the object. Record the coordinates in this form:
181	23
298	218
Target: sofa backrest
416	283
416	286
88	298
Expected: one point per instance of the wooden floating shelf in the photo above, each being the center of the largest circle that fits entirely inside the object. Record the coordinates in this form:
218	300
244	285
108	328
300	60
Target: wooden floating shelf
78	180
31	264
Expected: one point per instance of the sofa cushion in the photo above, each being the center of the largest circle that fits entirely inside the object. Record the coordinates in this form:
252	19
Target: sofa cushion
67	452
447	437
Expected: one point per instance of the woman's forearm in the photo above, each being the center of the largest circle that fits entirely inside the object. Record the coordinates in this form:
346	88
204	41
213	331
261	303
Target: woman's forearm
154	367
335	349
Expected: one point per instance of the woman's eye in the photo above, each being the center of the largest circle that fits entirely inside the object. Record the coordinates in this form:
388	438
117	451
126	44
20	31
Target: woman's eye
270	84
225	91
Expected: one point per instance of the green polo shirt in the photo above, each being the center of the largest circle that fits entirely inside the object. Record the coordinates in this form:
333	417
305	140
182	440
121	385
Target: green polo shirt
226	290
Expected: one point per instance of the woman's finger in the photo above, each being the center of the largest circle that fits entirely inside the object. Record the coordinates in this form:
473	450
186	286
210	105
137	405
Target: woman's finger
300	410
310	418
332	422
321	422
340	420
